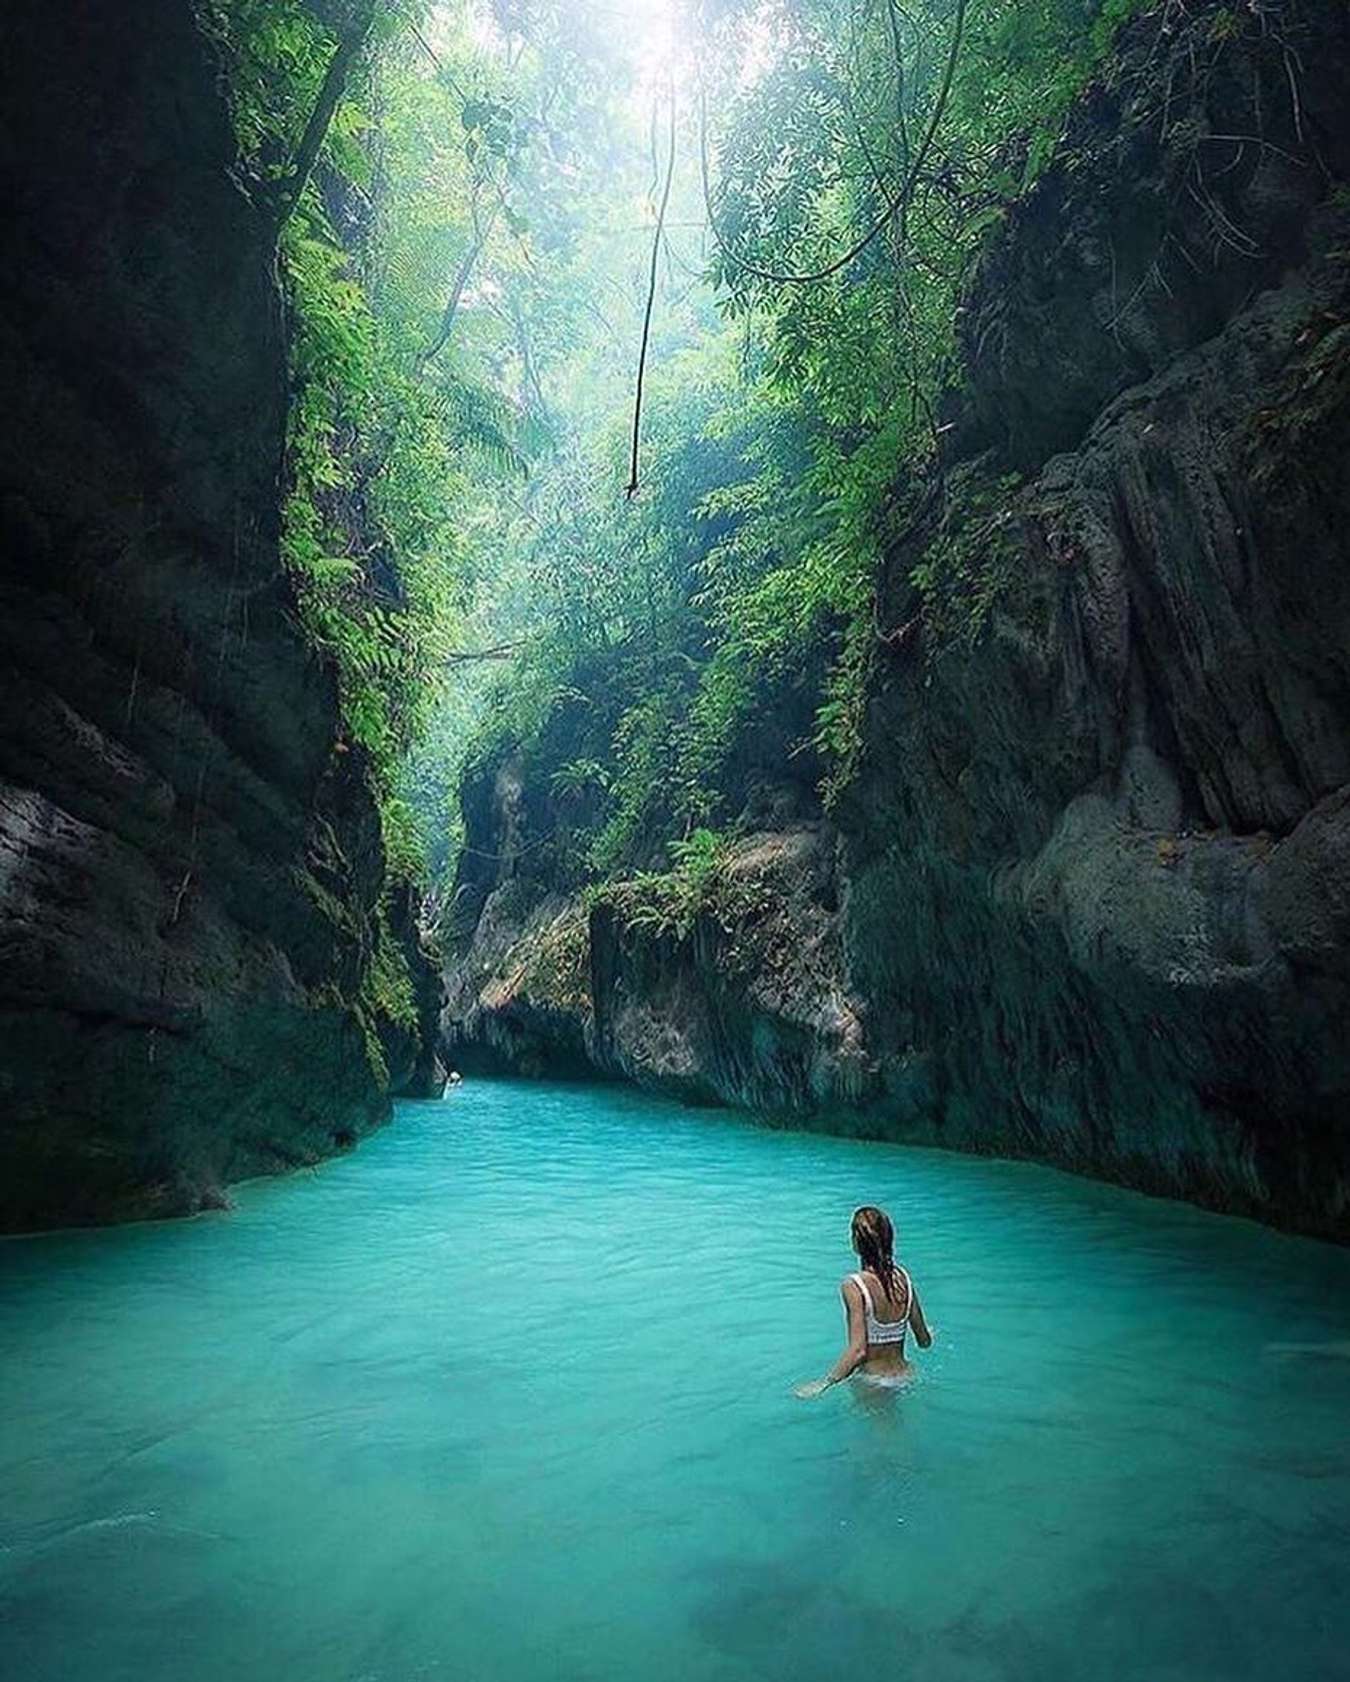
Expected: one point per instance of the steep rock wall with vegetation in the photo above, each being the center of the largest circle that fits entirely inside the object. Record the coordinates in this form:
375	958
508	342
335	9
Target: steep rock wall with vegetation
1086	893
197	982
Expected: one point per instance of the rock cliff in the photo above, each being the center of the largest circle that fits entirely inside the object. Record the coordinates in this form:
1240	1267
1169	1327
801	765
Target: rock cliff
1087	898
190	855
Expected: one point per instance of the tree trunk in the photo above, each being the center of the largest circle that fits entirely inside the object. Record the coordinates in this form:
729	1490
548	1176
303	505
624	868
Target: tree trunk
349	48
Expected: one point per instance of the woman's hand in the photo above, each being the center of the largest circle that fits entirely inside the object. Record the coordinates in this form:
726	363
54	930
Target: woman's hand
811	1389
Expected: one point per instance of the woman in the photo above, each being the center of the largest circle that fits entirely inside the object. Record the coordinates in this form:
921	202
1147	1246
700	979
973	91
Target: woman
880	1304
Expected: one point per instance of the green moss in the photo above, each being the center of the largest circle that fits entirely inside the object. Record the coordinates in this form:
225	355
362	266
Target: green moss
386	993
557	971
332	907
1284	436
387	985
969	566
668	902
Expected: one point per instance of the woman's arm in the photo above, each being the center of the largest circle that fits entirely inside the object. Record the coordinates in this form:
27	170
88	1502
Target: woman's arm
856	1353
917	1324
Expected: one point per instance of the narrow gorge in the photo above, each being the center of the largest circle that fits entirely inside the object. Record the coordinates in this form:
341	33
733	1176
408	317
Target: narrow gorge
668	667
942	736
1086	895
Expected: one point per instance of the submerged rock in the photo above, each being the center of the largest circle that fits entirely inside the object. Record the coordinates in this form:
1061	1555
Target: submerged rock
1088	897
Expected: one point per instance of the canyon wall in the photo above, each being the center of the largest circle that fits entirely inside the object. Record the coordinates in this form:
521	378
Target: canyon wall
190	853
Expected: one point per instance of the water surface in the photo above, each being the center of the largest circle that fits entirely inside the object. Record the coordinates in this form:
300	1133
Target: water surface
504	1397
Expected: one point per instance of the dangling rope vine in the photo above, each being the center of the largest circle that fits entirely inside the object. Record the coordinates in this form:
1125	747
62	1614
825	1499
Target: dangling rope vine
632	486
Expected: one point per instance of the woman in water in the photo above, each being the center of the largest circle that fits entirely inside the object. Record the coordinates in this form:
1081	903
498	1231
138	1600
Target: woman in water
880	1304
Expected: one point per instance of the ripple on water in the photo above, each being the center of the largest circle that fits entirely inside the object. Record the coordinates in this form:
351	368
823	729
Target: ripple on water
503	1397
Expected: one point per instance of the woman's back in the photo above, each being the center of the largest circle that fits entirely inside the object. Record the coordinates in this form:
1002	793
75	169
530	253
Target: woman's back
885	1317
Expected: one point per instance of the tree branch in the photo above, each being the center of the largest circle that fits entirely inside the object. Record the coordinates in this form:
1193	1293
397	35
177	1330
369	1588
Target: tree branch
500	651
462	278
894	208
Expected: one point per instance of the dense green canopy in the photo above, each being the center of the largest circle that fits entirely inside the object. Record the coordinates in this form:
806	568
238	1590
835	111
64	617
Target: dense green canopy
789	193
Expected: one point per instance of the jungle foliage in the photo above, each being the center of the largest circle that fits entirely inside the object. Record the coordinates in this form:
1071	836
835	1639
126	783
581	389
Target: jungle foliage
844	162
470	265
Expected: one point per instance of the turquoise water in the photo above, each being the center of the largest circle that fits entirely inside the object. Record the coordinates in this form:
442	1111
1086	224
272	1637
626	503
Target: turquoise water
504	1396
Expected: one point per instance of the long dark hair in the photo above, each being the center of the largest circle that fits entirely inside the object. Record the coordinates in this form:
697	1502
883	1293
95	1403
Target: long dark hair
874	1240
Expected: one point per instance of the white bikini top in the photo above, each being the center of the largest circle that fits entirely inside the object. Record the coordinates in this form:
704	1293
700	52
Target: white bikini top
885	1331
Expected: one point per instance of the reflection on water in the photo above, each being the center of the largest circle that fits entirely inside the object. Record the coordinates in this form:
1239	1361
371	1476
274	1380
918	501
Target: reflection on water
504	1397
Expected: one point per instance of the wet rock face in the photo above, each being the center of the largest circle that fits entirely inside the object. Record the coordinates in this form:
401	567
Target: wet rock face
1185	185
177	820
1095	849
1089	898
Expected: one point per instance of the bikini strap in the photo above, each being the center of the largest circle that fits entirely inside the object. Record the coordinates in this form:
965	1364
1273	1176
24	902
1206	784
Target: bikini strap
868	1310
909	1289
